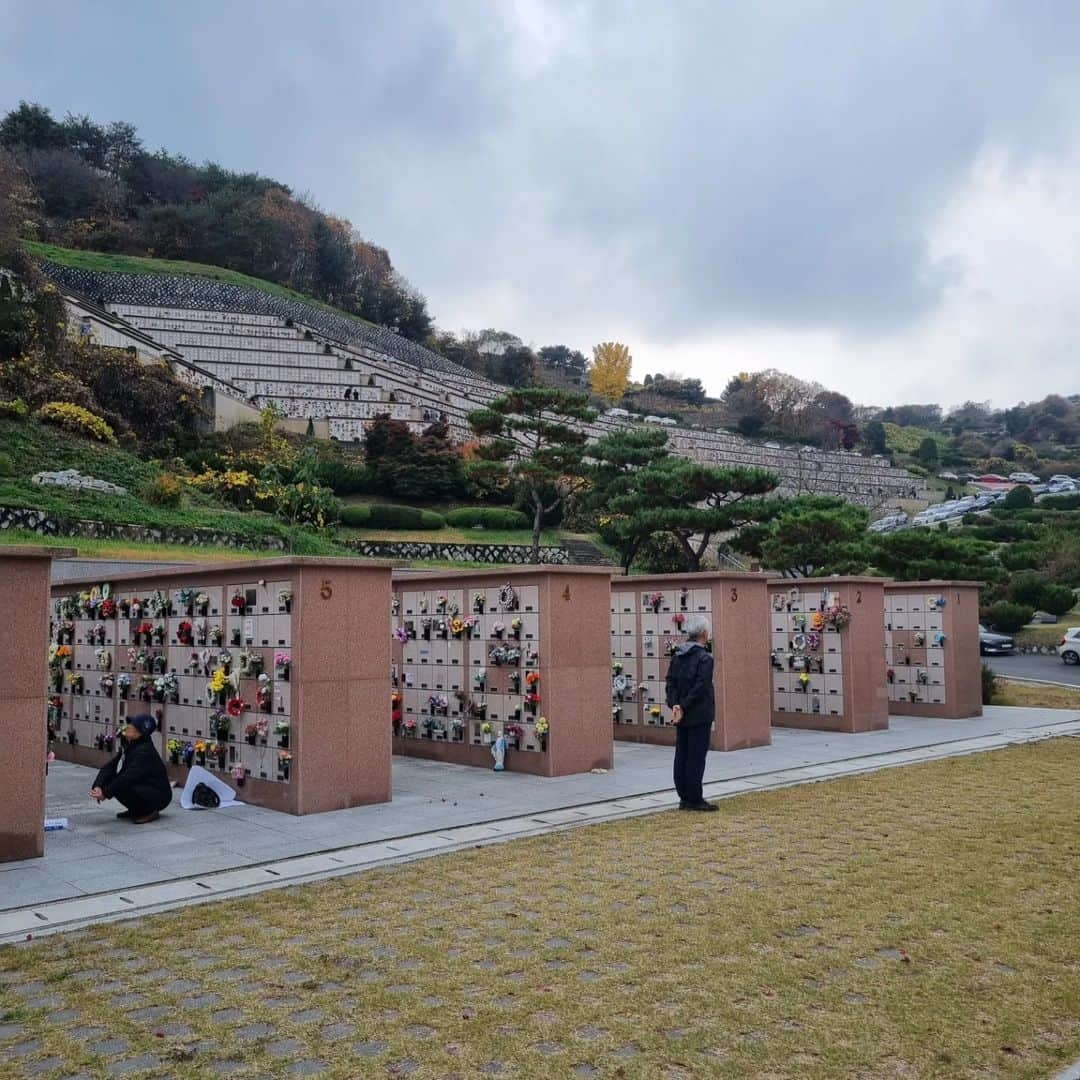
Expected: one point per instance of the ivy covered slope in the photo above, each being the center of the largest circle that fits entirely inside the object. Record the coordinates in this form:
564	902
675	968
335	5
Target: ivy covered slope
28	446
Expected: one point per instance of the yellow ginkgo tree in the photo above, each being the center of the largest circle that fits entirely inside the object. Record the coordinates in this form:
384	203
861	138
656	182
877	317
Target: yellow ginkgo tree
609	375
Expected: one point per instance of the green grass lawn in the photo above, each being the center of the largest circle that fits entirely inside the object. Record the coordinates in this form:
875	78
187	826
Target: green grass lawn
918	922
1047	634
133	264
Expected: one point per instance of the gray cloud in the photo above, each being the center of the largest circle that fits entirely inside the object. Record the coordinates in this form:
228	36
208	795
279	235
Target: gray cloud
573	171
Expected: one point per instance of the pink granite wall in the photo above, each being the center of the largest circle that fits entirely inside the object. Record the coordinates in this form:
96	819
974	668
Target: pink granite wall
24	638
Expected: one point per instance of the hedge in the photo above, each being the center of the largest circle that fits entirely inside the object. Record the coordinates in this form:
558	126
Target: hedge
386	516
487	517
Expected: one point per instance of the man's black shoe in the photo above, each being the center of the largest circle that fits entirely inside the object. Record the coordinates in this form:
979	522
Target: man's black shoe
124	814
704	807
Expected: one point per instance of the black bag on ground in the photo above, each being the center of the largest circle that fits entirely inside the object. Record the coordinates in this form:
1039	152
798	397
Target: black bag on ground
205	796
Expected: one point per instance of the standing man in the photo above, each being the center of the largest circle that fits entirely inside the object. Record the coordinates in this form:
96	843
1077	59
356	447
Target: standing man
690	697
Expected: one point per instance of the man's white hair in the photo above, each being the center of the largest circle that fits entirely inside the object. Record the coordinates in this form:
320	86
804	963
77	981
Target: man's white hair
695	626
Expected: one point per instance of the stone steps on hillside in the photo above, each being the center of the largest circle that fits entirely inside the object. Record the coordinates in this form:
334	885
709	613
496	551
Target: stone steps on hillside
582	553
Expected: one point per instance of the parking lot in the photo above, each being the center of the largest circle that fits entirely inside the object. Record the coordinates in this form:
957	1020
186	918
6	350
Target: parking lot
1043	668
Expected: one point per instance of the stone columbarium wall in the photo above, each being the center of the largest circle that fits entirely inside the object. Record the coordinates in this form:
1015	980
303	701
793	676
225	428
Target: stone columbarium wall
252	669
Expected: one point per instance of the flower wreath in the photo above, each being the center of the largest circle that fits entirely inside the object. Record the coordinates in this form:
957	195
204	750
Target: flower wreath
236	707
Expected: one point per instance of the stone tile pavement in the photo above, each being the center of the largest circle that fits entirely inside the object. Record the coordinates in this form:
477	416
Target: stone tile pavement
101	869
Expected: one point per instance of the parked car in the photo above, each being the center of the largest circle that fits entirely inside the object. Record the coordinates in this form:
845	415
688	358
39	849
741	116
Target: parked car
1023	478
1061	478
991	478
1069	649
947	476
991	644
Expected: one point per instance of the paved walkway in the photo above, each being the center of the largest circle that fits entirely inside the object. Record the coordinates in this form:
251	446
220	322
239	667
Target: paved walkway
101	869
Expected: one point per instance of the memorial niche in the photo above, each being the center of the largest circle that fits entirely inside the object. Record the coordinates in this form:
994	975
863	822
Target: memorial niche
112	655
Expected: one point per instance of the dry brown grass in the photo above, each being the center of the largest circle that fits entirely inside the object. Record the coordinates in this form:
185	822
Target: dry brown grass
918	922
1035	695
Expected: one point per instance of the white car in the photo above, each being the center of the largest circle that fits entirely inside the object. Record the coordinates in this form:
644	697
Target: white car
1061	478
947	476
1069	649
1023	478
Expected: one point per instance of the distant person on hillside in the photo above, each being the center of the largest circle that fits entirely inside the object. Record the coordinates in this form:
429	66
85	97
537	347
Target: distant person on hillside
136	778
690	697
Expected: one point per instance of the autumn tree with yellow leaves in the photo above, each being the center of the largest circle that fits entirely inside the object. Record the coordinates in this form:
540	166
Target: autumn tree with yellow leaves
609	375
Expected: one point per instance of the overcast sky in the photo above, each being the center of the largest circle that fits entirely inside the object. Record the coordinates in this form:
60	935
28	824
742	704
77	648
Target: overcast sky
879	196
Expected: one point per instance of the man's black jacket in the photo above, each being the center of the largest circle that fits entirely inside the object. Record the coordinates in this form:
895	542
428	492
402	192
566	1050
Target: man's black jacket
690	684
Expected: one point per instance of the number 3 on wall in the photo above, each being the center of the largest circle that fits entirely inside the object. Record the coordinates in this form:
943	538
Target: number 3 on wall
734	594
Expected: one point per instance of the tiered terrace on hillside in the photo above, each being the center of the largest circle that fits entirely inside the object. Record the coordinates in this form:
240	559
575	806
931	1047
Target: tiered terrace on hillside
335	369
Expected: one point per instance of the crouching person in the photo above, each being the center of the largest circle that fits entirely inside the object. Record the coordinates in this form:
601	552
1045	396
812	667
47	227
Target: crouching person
690	697
136	778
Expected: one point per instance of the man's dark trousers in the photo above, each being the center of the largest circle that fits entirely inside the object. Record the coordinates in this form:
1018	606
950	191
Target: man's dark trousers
691	746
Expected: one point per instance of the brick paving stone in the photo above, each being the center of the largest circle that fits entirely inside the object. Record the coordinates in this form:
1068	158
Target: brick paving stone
431	1001
585	1070
557	943
108	1047
130	1065
226	1068
295	977
42	1065
308	1016
370	1049
549	1048
281	1003
400	988
79	1076
493	1068
628	1051
180	986
62	1016
29	989
176	1029
590	976
9	1031
82	1034
48	1001
307	1068
855	999
254	1031
890	954
201	1001
420	1031
284	1048
333	1032
590	1033
403	1068
226	1016
150	1012
230	974
123	1001
203	962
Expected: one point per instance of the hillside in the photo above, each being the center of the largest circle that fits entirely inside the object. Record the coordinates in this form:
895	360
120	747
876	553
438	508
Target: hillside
81	183
81	259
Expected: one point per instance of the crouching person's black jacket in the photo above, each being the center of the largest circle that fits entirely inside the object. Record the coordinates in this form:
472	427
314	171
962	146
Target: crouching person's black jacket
137	774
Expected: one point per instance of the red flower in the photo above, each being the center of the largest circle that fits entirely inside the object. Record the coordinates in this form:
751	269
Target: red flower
238	601
108	609
236	706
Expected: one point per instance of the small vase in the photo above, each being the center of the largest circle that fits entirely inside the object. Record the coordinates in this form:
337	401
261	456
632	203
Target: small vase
283	741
